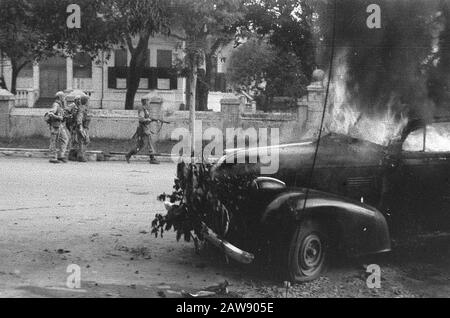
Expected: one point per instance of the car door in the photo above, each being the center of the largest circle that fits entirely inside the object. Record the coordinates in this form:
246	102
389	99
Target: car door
418	182
437	156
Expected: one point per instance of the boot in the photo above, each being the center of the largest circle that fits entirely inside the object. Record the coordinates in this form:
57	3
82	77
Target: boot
154	161
73	155
62	159
128	157
53	160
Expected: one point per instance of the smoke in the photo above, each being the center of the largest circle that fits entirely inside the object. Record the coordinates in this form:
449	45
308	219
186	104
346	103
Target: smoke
382	76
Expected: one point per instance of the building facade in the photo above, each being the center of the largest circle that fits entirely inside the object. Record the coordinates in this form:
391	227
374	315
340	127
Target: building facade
104	79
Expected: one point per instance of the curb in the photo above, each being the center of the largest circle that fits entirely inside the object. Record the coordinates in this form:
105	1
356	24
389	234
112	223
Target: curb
92	155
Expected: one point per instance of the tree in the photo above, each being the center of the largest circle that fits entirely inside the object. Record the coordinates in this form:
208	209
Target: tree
106	23
249	64
135	19
265	71
284	53
206	26
20	41
248	69
289	27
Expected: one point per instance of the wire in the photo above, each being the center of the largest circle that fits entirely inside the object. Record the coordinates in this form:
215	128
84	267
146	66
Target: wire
330	73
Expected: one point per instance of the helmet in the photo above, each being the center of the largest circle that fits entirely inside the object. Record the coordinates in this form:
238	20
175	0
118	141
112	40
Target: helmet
60	95
84	99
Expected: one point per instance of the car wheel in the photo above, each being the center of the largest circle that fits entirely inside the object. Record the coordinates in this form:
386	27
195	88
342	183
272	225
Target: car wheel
307	252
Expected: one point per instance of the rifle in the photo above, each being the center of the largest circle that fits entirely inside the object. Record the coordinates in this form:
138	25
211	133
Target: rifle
159	121
162	122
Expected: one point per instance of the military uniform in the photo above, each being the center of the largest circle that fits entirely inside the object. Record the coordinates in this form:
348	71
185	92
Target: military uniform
58	133
143	136
71	124
81	134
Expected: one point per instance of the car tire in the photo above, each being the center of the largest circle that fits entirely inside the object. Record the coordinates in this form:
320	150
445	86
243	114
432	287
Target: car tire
307	252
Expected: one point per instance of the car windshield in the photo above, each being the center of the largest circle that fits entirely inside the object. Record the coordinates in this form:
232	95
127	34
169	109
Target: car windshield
434	138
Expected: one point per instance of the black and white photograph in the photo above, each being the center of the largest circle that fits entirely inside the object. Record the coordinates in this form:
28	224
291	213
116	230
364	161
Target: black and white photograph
235	151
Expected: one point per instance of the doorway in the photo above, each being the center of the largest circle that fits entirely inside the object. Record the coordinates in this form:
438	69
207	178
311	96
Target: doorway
52	76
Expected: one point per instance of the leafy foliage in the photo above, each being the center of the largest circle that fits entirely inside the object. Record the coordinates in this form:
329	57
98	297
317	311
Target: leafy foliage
289	26
200	198
205	26
20	40
280	50
33	29
249	64
266	71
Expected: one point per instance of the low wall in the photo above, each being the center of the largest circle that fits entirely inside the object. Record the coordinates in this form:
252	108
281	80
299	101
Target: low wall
115	99
121	124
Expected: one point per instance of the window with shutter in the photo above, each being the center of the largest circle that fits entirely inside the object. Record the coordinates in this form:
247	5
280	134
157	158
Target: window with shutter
147	58
112	80
120	58
164	58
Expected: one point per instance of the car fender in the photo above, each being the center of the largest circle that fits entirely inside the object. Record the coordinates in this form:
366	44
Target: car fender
359	228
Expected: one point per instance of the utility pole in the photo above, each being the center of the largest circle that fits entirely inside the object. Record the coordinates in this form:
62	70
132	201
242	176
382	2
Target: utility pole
192	109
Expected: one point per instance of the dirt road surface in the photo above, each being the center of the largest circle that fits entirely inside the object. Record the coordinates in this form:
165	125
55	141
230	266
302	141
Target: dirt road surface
97	216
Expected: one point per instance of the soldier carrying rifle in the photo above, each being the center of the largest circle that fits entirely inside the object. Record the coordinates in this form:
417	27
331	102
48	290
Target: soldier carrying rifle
58	134
143	135
71	124
81	129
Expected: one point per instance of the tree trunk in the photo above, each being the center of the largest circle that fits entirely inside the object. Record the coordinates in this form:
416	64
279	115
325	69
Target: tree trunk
188	93
137	63
14	82
15	73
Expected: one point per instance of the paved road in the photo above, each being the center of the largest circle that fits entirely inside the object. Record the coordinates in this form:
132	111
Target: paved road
97	216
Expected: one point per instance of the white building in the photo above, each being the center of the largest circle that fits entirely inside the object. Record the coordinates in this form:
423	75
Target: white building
105	78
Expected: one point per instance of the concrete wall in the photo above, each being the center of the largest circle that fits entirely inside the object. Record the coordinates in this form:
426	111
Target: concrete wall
121	124
7	101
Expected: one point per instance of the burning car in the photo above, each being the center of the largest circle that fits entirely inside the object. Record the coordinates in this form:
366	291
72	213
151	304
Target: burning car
360	198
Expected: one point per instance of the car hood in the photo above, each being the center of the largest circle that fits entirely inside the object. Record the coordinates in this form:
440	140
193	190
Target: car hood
333	150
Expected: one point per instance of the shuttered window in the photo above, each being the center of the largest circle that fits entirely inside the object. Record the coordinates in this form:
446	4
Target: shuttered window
161	77
147	58
120	58
164	58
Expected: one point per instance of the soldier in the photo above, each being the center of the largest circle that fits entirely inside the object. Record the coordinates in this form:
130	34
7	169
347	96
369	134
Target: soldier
143	134
58	134
81	132
71	124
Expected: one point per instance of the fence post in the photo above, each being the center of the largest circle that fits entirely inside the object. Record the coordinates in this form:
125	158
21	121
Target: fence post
6	104
231	111
315	99
30	98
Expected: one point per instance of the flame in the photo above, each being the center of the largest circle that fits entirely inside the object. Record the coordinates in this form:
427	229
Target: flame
437	139
346	118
